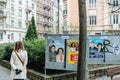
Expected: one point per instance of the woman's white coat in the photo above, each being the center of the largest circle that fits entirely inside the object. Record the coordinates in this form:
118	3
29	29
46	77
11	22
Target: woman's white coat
16	64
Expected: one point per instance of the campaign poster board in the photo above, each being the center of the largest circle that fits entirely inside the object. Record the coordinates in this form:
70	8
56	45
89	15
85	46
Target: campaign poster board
96	48
110	53
73	48
59	54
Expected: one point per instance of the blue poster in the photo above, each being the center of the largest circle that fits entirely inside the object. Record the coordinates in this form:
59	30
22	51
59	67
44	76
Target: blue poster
96	48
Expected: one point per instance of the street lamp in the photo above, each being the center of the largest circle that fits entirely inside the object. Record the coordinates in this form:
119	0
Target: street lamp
58	16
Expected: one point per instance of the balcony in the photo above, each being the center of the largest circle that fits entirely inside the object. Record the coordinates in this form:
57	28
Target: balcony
38	12
115	9
50	15
48	24
45	23
45	14
51	24
3	15
115	27
41	12
2	26
28	20
48	7
2	9
40	21
28	9
45	6
3	1
64	0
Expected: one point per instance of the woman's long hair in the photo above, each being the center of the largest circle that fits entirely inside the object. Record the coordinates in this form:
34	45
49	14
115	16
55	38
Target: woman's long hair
19	46
59	49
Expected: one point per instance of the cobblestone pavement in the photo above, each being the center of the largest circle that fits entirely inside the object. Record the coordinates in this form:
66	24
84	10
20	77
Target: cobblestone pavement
4	73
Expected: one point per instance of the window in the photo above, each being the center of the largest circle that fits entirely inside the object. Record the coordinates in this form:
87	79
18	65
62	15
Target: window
12	23
92	20
12	10
19	24
114	19
1	6
20	13
92	4
32	14
20	2
1	24
1	14
1	36
65	6
26	16
26	25
1	20
19	37
26	3
12	36
65	12
115	3
33	6
65	22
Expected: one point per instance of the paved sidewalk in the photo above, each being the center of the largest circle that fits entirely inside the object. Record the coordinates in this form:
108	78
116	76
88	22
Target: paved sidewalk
4	73
117	77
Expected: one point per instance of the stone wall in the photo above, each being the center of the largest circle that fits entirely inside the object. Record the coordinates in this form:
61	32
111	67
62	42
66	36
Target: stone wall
34	75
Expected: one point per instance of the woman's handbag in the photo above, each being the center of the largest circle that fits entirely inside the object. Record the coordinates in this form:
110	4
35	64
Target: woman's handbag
18	71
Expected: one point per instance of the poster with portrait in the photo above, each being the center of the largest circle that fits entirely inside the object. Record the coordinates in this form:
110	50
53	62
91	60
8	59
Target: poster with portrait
73	48
56	50
96	48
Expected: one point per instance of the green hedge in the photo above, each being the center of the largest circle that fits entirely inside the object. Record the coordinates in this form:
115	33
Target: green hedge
2	52
35	49
8	50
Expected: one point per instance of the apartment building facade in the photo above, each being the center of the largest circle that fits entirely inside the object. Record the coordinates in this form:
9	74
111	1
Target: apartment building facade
15	16
95	16
103	16
58	14
70	16
44	17
112	23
